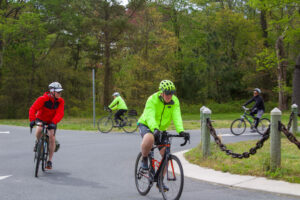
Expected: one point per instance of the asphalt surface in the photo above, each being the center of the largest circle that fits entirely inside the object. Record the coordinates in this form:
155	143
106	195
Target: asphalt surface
91	165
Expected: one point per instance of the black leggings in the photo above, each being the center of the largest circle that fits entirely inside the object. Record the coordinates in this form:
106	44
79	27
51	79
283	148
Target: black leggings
118	114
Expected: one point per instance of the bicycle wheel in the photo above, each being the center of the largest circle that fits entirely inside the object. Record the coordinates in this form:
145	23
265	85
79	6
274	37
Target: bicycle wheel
105	124
238	127
172	177
130	124
38	155
45	155
142	179
263	125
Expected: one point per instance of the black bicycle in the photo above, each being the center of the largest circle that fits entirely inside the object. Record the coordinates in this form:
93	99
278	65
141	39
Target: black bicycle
238	126
42	149
129	123
166	171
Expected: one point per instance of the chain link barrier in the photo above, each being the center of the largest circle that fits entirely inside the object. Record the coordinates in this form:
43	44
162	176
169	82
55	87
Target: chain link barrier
252	151
290	136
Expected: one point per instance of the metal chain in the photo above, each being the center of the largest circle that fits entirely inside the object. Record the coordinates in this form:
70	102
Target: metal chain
289	135
290	122
223	147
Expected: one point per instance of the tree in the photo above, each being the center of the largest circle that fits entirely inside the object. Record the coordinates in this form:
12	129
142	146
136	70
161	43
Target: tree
296	83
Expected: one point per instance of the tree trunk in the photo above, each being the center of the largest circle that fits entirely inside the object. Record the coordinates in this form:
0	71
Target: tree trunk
282	65
296	83
264	26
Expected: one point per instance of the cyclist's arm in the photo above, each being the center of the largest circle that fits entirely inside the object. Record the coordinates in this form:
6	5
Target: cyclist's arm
114	103
150	115
59	112
176	116
38	104
248	102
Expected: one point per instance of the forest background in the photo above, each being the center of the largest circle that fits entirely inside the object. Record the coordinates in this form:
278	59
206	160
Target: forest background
216	52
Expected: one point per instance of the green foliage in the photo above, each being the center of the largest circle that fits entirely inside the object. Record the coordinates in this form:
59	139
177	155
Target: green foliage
213	51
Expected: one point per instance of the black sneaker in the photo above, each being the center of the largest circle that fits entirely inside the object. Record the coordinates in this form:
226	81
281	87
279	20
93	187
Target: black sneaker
144	164
49	165
35	146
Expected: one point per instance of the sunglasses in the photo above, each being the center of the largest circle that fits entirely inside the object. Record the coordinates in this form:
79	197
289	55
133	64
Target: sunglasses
169	92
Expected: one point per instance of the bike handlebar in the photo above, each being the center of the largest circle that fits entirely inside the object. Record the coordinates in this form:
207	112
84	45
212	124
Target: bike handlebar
171	135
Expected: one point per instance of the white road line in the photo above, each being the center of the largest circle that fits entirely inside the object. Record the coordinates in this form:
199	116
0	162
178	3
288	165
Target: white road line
4	177
5	132
229	135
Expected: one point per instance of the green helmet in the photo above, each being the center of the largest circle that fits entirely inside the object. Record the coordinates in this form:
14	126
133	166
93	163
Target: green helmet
167	87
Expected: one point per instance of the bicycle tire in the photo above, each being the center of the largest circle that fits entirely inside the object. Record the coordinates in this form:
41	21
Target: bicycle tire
38	157
263	125
241	126
105	124
45	155
138	176
174	172
130	124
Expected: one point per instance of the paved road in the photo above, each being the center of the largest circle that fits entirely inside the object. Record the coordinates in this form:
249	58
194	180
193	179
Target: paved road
91	166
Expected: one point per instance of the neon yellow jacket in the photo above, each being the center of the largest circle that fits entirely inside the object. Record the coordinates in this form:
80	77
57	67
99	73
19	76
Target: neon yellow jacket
158	115
118	103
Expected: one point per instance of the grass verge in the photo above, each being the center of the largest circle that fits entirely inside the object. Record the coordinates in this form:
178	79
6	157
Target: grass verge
256	165
190	121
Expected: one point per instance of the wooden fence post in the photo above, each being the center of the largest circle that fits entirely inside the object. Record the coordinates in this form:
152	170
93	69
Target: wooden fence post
275	147
205	135
295	119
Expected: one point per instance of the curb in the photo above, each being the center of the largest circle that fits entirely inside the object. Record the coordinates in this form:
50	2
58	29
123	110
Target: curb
239	181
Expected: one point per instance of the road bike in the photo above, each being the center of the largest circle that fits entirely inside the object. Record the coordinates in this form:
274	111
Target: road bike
42	149
166	171
238	126
129	123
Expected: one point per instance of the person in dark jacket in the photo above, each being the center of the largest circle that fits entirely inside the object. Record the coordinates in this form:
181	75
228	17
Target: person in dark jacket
48	109
258	108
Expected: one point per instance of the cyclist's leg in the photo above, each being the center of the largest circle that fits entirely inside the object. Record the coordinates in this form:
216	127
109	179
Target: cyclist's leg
258	117
51	134
147	143
122	111
38	132
117	116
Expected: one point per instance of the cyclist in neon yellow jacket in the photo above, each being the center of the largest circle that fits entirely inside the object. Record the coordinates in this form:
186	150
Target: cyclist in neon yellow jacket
161	108
118	103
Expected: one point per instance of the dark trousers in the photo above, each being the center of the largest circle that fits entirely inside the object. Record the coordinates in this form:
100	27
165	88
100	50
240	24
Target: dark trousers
118	115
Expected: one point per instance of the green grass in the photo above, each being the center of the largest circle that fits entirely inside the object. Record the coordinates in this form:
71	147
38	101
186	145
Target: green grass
256	165
190	121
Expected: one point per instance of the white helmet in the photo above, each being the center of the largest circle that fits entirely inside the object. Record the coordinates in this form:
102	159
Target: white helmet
116	94
257	90
55	87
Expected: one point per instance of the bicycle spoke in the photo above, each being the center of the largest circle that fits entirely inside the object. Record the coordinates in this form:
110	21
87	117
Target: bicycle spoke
130	124
171	183
142	178
238	127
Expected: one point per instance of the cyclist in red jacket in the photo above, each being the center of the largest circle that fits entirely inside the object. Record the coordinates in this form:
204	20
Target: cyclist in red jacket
49	109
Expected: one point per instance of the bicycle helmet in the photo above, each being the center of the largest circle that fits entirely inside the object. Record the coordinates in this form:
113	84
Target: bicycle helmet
167	87
257	90
116	94
55	87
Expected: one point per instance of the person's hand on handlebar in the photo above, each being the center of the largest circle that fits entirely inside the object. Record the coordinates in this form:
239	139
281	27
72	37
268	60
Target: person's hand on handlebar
185	135
32	123
157	135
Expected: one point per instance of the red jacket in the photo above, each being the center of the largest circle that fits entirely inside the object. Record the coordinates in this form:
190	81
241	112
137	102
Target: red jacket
47	109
